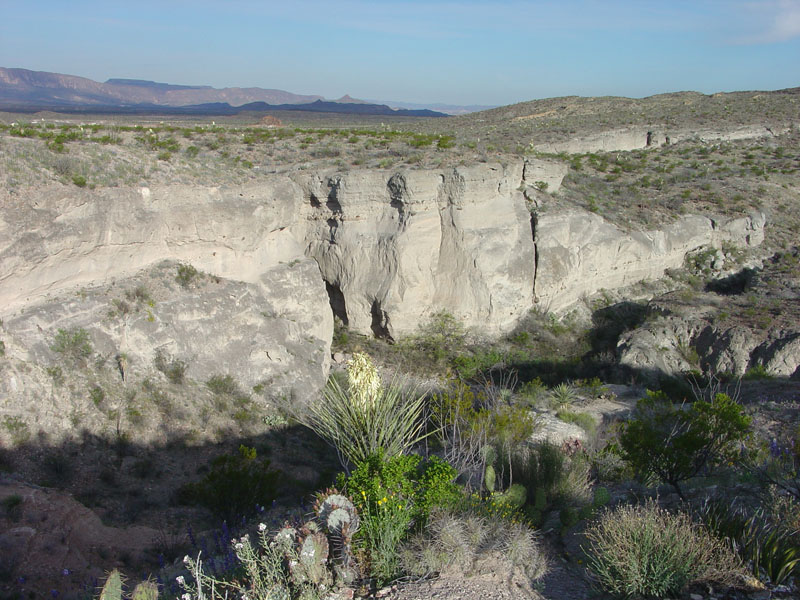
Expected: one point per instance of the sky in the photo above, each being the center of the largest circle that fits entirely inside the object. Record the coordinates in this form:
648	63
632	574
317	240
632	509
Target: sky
469	52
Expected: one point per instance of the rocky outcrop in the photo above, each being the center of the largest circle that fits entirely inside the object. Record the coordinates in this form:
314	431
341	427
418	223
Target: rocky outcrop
674	345
395	248
580	253
636	138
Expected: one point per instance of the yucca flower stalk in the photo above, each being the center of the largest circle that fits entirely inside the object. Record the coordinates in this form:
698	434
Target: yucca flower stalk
367	416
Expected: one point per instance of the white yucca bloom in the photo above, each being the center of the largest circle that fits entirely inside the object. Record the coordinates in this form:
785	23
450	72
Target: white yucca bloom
364	381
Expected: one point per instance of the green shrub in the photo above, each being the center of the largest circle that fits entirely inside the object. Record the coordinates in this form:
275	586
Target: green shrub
771	550
757	373
173	368
677	443
186	275
424	484
12	506
583	420
223	385
647	551
73	344
235	485
563	394
392	494
79	180
366	416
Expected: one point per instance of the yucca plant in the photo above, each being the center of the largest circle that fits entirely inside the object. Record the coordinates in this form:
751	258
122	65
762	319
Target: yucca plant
563	395
365	416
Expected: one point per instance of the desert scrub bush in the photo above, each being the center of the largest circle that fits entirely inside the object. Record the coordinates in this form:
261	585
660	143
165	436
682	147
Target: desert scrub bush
583	420
468	424
676	443
17	429
647	551
72	344
553	476
392	495
465	542
173	368
423	483
222	385
365	416
235	485
186	275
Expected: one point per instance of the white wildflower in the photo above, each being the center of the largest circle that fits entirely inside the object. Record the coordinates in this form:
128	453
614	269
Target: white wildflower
262	526
181	581
186	559
186	596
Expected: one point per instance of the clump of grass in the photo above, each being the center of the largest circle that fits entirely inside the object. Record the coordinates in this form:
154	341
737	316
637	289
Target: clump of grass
186	275
461	541
223	385
645	550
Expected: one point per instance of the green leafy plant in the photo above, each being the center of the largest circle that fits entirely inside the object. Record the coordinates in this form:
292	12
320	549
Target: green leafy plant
73	344
647	551
365	416
676	443
772	552
563	394
173	368
235	485
186	275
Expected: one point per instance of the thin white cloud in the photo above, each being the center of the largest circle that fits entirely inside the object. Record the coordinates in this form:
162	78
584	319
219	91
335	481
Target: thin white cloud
775	21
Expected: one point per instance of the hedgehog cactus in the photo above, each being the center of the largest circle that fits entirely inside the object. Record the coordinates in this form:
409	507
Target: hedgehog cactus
337	513
311	564
339	516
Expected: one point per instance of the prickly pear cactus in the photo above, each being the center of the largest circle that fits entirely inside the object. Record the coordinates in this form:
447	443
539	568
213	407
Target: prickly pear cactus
489	478
112	589
147	590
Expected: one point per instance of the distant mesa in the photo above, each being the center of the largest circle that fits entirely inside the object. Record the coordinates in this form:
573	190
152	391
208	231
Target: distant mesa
22	90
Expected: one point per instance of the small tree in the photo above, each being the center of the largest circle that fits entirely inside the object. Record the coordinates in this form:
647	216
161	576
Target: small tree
676	443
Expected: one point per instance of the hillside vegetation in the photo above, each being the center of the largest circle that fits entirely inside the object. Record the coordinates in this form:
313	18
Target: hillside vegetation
643	442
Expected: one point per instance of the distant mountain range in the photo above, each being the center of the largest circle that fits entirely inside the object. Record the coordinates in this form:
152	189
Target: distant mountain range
22	90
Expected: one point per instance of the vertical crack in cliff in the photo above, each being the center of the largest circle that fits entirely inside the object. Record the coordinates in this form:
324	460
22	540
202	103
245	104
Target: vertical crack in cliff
337	302
380	321
535	255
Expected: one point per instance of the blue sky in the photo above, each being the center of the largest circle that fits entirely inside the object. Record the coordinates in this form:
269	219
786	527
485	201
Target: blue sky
469	52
